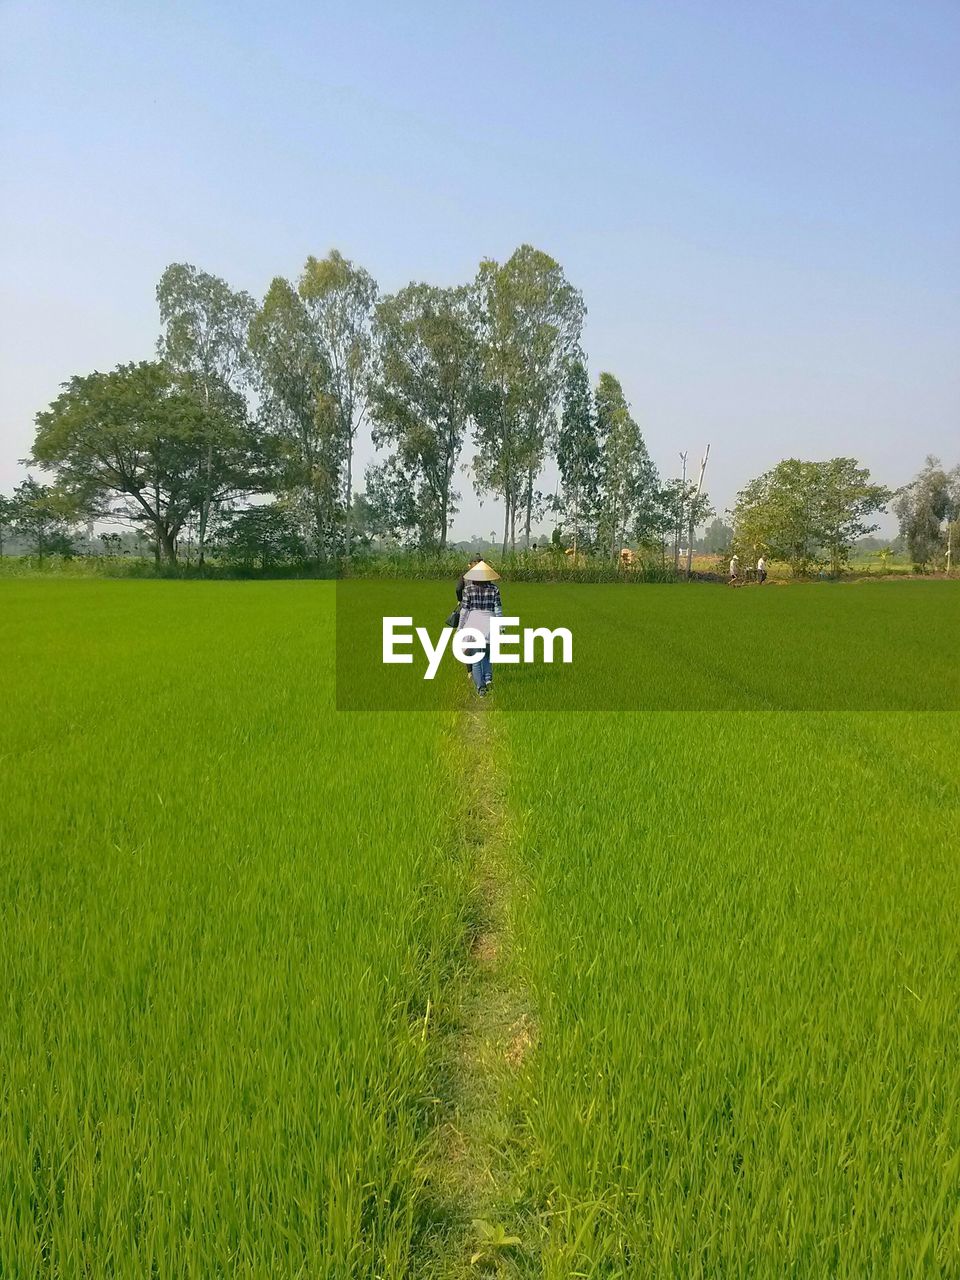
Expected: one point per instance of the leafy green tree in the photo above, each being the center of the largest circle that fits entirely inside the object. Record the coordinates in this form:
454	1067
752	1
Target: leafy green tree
578	451
365	522
292	380
717	537
420	400
7	511
204	341
529	321
682	508
263	537
922	507
804	511
953	540
339	297
847	501
396	510
775	515
39	514
133	443
629	486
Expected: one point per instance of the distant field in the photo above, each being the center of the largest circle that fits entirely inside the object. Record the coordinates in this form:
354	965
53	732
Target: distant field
868	562
239	931
683	646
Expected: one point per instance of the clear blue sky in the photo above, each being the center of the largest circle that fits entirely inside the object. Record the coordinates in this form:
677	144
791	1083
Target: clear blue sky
759	200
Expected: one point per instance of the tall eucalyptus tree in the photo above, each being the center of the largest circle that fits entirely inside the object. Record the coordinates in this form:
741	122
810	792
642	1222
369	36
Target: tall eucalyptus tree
204	341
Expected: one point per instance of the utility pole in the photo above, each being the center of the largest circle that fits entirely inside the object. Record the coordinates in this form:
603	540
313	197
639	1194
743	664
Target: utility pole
703	467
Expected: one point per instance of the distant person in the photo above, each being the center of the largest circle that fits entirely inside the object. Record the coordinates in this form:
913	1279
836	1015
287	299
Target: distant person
761	570
734	570
481	602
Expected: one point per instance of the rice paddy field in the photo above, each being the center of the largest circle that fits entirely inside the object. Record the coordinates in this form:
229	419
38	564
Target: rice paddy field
646	967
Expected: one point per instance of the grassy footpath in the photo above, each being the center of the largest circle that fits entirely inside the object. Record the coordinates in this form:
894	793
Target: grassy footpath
479	1154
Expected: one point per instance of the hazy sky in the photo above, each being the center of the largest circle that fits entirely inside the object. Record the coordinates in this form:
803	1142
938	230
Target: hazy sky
759	200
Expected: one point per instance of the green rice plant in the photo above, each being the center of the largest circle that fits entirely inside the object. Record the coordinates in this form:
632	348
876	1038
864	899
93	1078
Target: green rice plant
235	922
547	565
231	921
740	934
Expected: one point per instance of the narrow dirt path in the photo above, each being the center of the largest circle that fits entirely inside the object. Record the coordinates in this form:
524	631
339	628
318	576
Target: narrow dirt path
491	1038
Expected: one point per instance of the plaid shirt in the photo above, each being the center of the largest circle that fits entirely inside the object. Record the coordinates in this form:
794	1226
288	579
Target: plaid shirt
482	597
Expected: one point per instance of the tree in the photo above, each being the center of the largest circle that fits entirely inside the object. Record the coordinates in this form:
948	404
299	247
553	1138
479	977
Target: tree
847	500
292	379
682	506
393	509
263	536
922	506
7	511
365	522
339	297
802	511
420	401
578	451
775	514
953	540
39	515
717	537
885	555
629	487
204	340
137	437
529	320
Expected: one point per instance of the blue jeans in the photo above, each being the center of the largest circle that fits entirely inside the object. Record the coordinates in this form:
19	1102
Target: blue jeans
482	669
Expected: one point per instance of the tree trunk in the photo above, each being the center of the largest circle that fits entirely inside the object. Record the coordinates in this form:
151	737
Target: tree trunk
348	524
318	539
169	544
444	497
205	500
526	532
204	509
506	523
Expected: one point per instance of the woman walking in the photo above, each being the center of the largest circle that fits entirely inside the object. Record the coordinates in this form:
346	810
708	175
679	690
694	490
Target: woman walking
481	602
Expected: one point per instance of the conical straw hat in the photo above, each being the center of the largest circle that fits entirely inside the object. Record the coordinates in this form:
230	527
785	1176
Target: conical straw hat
482	572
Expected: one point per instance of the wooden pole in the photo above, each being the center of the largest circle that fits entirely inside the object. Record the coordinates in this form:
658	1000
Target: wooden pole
703	467
678	534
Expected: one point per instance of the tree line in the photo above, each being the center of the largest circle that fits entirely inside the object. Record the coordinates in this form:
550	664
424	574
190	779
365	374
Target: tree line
243	431
249	401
